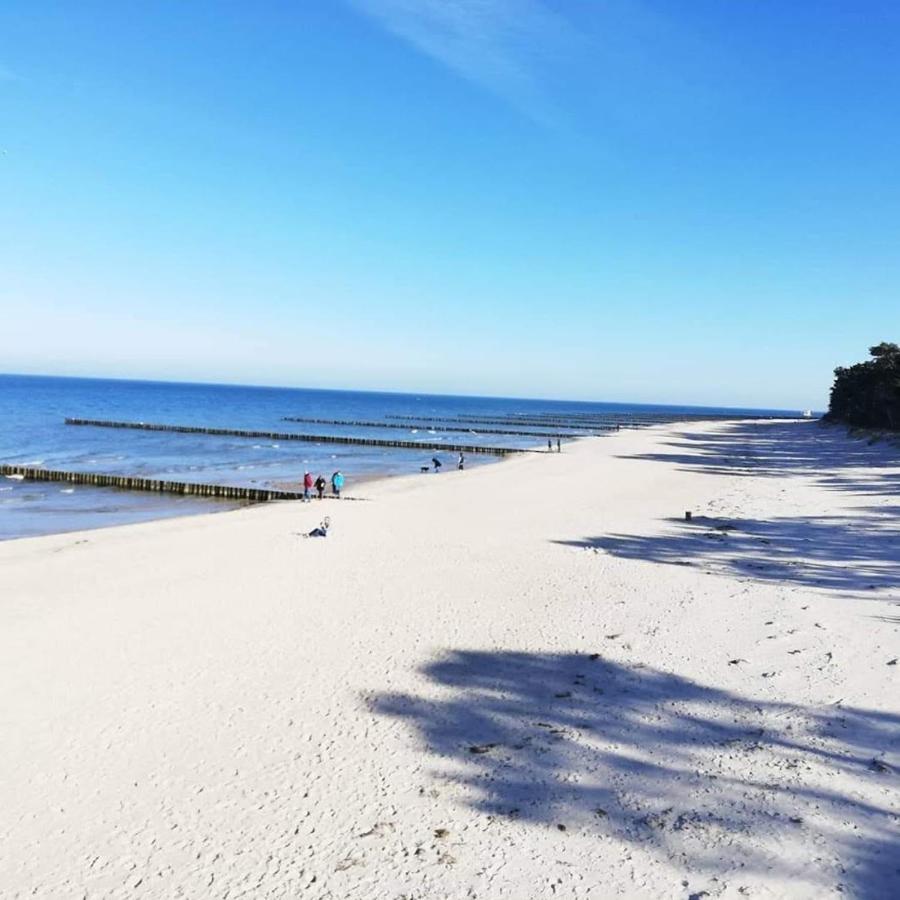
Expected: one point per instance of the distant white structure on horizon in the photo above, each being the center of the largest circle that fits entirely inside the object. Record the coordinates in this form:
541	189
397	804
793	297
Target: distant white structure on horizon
807	413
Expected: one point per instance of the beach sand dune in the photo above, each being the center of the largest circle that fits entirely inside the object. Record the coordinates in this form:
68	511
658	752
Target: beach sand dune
534	679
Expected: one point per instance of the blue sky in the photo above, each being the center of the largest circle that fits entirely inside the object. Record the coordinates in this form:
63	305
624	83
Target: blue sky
674	201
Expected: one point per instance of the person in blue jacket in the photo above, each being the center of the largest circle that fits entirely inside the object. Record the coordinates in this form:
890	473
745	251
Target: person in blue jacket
337	482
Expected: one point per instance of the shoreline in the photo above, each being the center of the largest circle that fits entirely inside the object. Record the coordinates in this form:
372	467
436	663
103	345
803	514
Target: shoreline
130	513
537	682
218	506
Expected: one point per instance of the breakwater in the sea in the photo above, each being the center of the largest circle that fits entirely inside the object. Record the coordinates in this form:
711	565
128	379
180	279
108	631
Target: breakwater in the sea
461	429
471	422
260	456
291	436
137	483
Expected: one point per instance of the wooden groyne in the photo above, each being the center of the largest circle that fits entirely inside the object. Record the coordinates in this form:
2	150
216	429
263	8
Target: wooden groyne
471	422
308	438
406	426
604	425
611	423
600	422
135	483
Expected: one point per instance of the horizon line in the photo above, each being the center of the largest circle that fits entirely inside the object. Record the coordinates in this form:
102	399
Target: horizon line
407	393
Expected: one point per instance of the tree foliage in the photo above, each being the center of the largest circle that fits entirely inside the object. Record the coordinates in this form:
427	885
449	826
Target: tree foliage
868	393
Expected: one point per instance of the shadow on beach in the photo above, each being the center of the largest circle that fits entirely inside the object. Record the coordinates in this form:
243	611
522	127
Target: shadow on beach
857	552
778	450
719	783
852	550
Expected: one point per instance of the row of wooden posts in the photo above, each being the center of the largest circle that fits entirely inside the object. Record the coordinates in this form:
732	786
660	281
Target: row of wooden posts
135	483
534	423
235	492
223	491
421	446
465	429
600	423
633	420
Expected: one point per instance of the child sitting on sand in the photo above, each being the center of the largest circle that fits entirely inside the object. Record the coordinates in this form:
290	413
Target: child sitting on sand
322	530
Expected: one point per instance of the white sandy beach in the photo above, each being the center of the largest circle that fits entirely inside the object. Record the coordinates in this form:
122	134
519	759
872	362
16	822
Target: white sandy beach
526	680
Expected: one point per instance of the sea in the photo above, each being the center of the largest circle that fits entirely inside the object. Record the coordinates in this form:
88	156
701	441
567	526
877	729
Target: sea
33	432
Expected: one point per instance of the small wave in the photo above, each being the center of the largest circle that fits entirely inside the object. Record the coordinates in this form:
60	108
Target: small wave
67	491
15	477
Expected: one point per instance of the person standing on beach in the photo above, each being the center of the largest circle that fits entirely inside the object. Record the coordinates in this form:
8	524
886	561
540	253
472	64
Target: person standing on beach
320	486
307	486
558	446
549	445
337	482
462	462
436	463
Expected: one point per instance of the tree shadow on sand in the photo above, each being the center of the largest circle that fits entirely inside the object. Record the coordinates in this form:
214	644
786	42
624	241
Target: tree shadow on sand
852	553
720	784
751	449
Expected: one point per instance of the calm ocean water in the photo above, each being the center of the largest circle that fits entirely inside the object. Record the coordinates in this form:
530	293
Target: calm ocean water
32	432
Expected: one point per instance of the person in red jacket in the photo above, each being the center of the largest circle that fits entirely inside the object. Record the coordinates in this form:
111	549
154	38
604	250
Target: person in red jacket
307	486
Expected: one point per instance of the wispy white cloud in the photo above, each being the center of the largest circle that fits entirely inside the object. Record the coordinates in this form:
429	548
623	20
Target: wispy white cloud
574	67
504	46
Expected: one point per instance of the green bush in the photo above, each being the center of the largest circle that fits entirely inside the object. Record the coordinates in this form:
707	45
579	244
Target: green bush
868	394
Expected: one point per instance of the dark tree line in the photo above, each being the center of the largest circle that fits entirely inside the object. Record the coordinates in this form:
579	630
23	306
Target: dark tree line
868	394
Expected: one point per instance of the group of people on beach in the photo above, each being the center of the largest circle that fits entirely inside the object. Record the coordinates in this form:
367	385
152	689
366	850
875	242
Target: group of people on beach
337	484
319	484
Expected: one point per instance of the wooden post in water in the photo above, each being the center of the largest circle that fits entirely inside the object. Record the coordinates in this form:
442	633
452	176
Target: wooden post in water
309	438
134	483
